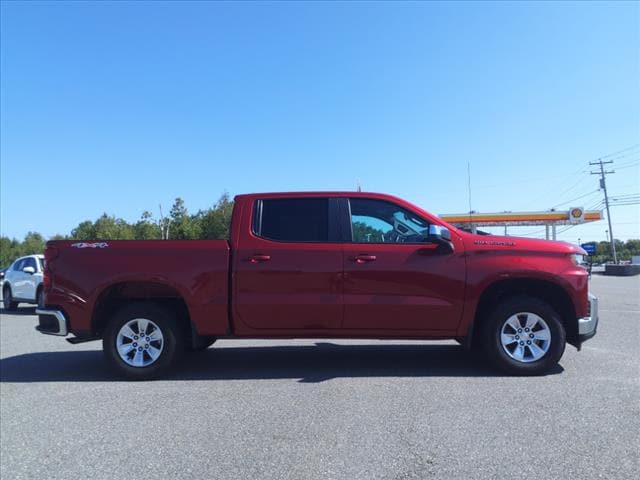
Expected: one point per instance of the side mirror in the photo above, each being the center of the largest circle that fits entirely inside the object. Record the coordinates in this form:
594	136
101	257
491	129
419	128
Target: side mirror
29	270
441	236
438	234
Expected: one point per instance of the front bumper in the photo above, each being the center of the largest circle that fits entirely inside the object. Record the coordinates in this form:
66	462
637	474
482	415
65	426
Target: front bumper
52	322
587	326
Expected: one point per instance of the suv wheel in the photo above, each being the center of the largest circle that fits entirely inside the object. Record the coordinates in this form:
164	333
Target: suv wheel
142	341
7	299
524	336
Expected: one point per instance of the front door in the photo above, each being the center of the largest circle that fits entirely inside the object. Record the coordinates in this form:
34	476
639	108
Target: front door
18	278
395	280
288	269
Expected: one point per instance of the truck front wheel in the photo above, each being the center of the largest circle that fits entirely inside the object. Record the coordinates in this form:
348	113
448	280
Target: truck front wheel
142	341
524	336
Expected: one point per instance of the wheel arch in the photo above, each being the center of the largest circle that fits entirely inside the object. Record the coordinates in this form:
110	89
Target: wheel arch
552	293
119	294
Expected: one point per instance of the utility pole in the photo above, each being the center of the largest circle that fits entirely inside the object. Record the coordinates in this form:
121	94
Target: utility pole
603	185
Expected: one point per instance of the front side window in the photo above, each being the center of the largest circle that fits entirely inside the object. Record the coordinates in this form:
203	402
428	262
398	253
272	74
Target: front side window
19	265
29	262
293	219
379	221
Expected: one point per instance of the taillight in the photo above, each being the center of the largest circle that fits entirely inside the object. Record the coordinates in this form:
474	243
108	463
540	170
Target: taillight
50	254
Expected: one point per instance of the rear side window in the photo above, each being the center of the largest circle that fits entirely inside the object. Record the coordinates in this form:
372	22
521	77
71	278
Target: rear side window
293	219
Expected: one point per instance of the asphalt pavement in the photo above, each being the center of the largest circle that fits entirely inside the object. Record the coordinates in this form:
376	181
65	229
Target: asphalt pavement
324	409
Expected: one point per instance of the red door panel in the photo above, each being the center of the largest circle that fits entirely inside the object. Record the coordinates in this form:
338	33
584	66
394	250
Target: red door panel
299	287
286	285
403	287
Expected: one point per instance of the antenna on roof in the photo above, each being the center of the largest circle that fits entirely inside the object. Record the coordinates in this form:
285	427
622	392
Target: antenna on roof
358	186
473	228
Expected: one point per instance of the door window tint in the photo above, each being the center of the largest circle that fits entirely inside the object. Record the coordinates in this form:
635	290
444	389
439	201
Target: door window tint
30	262
378	221
18	265
294	220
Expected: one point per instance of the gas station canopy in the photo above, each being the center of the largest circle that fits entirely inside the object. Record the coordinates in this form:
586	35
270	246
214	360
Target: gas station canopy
551	219
570	217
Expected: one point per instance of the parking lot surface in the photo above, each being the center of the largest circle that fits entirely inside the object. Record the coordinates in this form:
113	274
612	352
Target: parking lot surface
324	409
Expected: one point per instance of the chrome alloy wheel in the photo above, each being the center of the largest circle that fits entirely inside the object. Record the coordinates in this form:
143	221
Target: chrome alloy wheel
139	342
525	337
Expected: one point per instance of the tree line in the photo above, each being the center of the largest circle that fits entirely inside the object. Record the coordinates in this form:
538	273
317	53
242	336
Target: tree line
624	251
210	224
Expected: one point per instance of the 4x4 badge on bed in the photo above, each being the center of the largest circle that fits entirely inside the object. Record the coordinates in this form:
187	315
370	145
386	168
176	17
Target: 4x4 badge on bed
90	245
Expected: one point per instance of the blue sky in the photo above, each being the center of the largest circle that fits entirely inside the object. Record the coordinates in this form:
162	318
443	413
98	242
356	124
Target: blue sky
119	107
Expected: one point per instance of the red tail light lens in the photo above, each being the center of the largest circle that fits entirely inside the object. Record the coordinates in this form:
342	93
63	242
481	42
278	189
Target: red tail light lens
50	254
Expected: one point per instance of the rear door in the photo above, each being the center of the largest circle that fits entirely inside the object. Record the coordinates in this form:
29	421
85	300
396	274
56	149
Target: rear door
395	280
288	268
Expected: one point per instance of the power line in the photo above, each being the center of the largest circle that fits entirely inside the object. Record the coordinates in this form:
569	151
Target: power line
632	147
574	199
630	165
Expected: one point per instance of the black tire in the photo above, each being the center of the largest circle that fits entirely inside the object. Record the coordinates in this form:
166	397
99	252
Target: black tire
499	355
201	343
40	298
172	346
7	299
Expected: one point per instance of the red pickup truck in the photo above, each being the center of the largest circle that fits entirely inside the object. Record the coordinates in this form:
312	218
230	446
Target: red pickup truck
320	265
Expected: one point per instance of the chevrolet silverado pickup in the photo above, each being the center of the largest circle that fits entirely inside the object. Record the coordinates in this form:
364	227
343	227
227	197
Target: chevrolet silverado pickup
320	265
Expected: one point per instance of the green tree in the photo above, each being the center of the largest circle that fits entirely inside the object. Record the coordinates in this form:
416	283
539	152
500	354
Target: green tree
108	227
183	226
32	244
84	231
216	221
10	249
146	228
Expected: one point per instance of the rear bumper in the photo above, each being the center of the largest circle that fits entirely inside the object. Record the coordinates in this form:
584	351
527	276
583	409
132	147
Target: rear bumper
587	326
52	322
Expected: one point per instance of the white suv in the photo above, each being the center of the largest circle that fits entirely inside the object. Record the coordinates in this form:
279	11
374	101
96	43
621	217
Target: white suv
23	282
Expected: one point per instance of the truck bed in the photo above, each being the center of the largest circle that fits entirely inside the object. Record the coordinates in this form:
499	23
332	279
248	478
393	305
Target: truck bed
86	273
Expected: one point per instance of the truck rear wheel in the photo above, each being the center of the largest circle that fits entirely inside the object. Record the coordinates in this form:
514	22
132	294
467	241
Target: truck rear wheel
524	336
142	341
